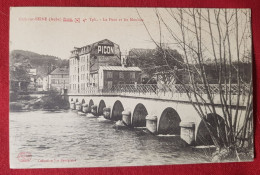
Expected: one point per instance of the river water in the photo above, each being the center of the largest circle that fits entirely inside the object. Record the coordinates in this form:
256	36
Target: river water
65	139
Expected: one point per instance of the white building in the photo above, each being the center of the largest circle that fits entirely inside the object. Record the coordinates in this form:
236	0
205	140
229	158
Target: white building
39	84
85	61
32	72
45	82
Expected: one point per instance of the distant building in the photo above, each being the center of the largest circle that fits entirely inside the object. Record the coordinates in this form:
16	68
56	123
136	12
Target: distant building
100	65
45	83
33	72
32	84
39	84
19	85
85	62
114	75
58	79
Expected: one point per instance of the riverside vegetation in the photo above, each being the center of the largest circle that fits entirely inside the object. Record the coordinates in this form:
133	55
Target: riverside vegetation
51	100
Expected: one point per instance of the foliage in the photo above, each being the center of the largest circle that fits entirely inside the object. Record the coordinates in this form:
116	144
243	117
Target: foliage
14	106
43	63
159	61
19	66
54	101
13	96
24	97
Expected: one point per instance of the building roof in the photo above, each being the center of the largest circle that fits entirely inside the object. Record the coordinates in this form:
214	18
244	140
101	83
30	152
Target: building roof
88	48
120	68
60	71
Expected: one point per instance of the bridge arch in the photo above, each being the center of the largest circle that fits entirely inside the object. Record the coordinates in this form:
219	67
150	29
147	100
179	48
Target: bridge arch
117	111
139	114
216	125
91	103
169	122
101	106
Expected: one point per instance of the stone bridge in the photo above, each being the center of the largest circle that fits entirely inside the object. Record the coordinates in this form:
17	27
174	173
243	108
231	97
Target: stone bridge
171	109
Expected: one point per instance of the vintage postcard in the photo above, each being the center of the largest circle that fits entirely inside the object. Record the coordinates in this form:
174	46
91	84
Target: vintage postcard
102	87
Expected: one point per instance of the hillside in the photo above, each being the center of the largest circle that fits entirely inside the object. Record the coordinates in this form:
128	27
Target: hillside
43	63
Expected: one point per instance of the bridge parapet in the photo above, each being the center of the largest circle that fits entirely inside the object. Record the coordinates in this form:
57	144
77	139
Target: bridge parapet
175	92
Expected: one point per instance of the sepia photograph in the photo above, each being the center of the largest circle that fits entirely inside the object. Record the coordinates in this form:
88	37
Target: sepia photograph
109	87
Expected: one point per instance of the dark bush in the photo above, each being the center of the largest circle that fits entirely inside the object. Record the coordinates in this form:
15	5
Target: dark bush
14	106
24	97
23	93
37	105
54	101
13	96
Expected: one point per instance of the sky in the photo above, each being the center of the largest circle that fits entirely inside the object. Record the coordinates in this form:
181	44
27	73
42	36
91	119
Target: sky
58	38
91	24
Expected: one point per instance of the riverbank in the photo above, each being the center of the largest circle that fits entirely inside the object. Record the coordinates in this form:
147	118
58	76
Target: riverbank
51	101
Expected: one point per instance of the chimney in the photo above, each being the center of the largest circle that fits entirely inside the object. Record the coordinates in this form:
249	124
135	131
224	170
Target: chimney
123	60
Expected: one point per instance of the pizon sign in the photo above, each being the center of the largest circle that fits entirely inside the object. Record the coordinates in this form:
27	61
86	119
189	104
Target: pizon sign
105	49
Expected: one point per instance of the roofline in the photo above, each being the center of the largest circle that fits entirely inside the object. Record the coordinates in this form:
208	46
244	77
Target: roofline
77	48
125	68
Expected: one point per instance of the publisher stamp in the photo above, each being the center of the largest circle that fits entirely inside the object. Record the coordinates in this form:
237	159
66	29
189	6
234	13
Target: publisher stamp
24	156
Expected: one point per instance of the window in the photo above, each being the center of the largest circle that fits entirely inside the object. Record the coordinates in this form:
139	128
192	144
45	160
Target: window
121	75
109	74
132	75
82	76
109	84
82	86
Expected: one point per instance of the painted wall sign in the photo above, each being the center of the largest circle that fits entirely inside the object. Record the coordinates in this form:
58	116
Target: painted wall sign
105	50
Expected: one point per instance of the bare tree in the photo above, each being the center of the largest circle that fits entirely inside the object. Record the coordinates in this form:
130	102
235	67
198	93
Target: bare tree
218	40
